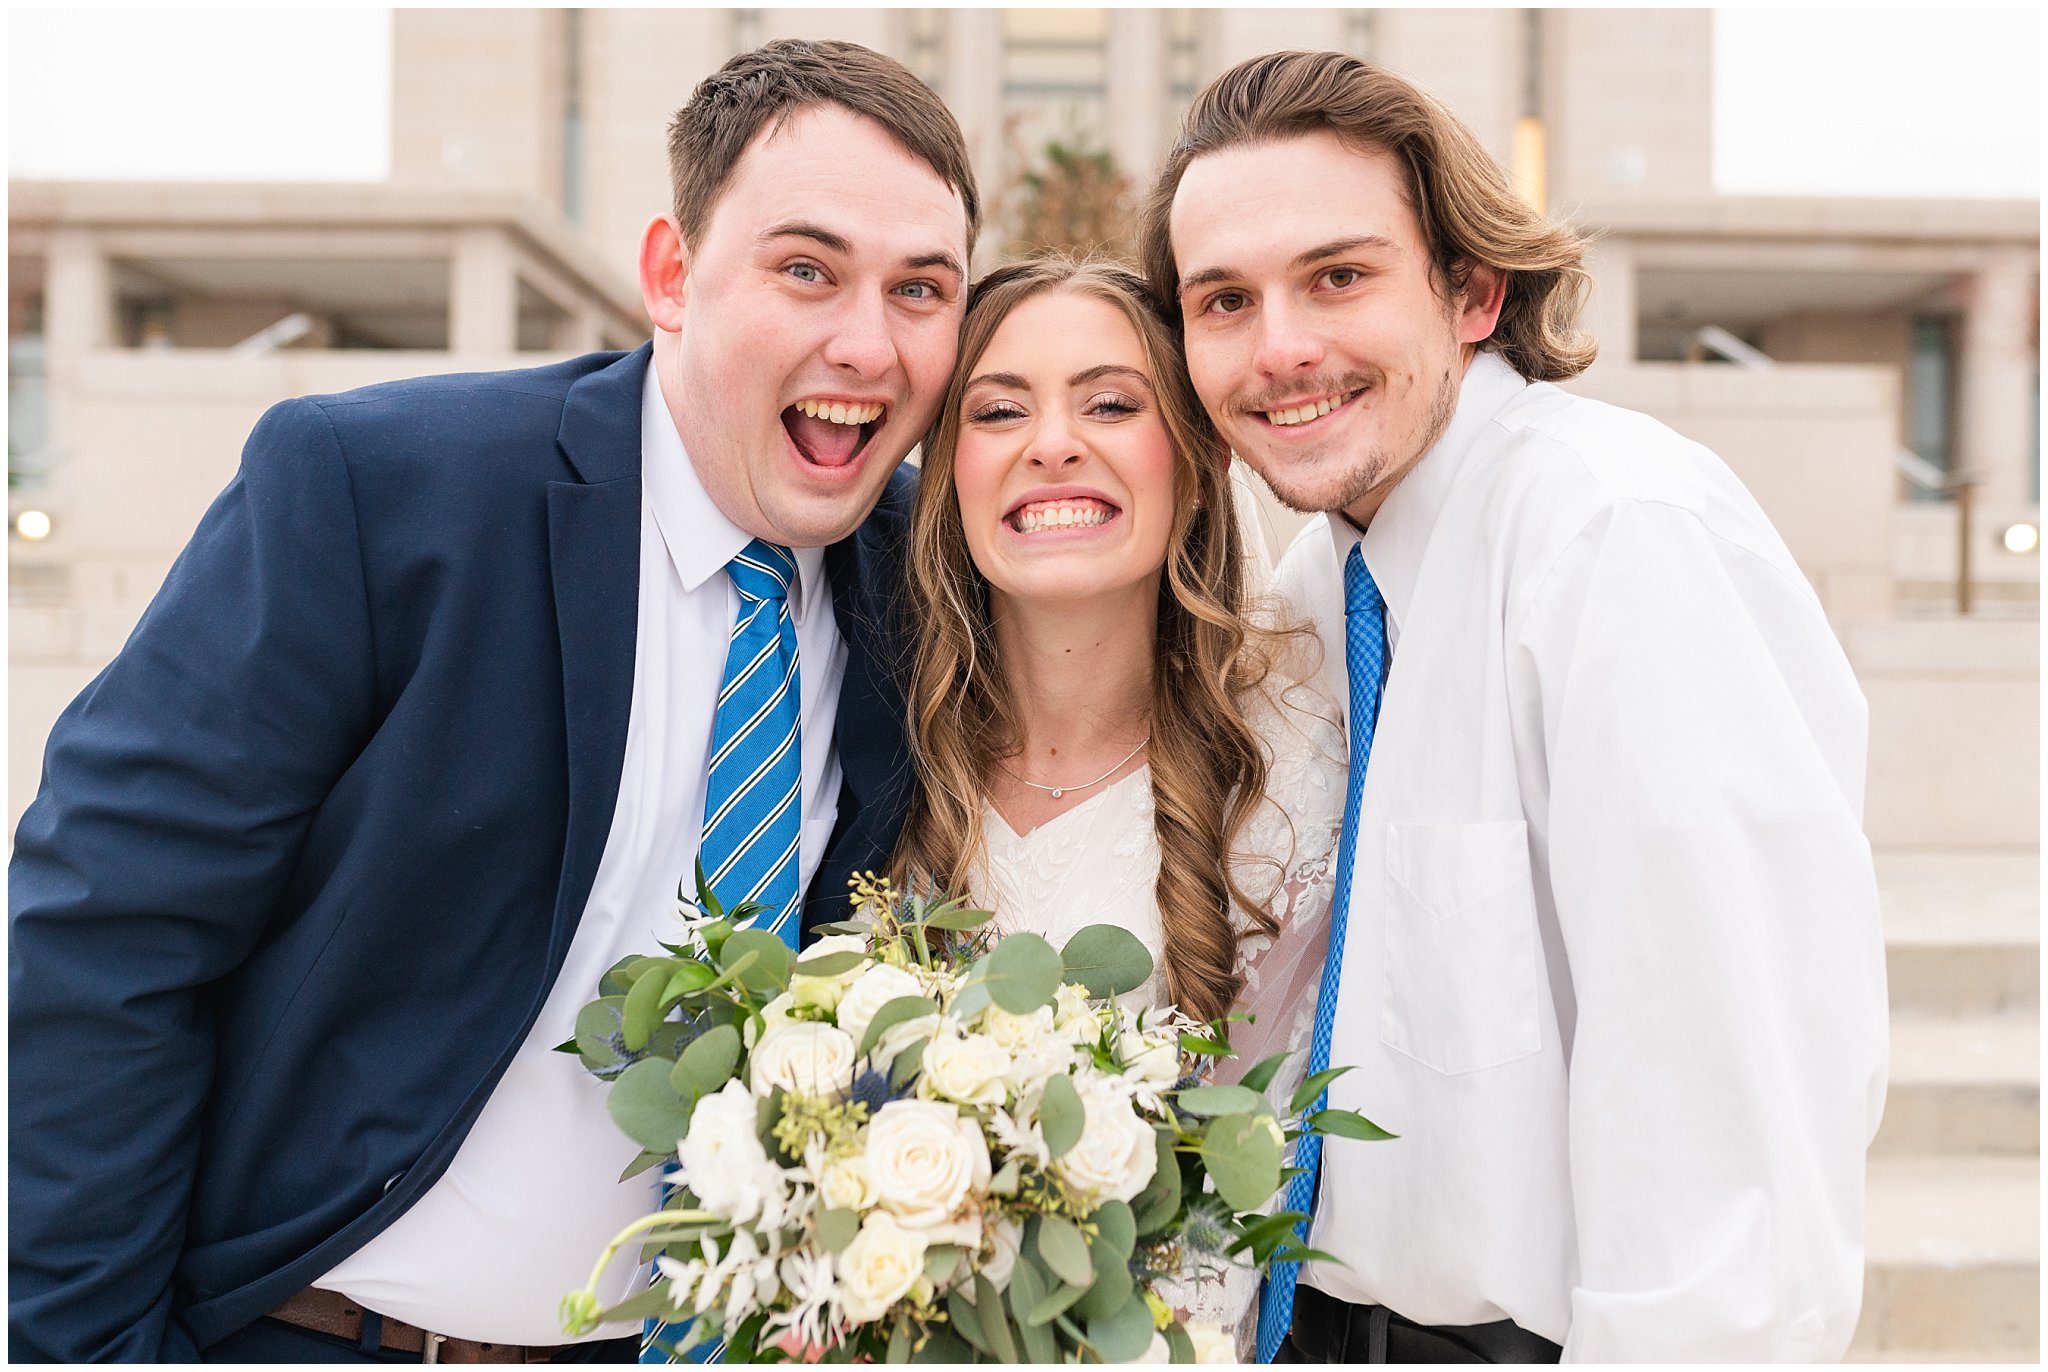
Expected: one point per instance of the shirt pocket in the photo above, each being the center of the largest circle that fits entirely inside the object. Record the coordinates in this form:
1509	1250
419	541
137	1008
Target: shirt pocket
1461	956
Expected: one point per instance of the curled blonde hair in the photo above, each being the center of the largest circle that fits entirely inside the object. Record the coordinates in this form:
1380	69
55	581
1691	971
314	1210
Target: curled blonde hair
1208	769
1469	214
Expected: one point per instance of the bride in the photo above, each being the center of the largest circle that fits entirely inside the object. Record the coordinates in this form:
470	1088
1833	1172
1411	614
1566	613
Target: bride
1102	732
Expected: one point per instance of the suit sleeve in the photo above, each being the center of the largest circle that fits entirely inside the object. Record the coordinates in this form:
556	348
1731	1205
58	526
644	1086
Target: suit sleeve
1719	913
176	792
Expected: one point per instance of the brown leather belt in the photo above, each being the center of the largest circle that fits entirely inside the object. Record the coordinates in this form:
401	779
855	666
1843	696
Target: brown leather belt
328	1312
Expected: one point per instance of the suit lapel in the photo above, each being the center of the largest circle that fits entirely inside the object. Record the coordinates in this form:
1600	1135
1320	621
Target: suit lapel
594	558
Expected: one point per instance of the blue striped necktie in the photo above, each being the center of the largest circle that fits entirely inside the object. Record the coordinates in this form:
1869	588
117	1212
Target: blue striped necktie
753	804
1365	661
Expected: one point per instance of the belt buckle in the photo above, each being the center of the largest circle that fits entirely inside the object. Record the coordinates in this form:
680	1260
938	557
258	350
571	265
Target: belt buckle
430	1345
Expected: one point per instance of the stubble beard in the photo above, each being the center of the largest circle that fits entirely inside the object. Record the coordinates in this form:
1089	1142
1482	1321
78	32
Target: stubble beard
1376	467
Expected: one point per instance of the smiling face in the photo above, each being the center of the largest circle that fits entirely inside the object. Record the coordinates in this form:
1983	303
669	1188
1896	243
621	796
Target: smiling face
1063	469
1317	335
804	341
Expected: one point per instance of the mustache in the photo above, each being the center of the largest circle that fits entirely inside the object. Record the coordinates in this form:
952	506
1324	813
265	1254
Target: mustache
1273	398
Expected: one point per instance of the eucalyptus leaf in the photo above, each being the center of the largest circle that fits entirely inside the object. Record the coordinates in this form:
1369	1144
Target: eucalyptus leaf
907	1065
690	975
1112	1285
1307	1093
1022	973
1124	1335
652	1303
939	1261
959	919
967	1319
1219	1100
771	972
707	1063
1055	1302
1065	1253
648	1158
844	926
644	1105
995	1325
1115	1228
1036	1341
1258	1078
1242	1153
1061	1117
899	1341
942	1345
836	1229
642	1011
1179	1347
1107	960
597	1031
1005	1181
830	964
1346	1124
1159	1202
615	982
973	998
901	1010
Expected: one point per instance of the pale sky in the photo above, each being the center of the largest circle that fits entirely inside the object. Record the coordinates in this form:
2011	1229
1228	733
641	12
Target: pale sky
1845	101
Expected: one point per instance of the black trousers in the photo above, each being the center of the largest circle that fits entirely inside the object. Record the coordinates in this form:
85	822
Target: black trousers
270	1340
1330	1330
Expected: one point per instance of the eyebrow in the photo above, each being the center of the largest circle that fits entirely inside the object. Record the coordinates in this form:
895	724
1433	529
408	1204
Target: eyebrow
825	238
1012	381
1336	247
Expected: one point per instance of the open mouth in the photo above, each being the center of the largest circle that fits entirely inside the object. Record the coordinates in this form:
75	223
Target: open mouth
832	433
1065	512
1308	411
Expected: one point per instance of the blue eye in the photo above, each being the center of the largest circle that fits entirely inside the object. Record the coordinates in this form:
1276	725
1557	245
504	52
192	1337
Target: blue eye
920	290
806	271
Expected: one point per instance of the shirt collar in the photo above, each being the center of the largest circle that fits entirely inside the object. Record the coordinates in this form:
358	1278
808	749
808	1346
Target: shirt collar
700	539
1400	530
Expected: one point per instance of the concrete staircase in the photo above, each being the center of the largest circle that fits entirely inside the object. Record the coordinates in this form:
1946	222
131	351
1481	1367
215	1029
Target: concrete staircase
1952	1270
1953	1261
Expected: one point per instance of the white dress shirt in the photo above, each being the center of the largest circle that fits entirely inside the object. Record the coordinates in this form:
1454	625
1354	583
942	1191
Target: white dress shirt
533	1195
1614	970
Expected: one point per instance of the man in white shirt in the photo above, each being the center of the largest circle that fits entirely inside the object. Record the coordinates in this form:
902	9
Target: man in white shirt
1611	969
416	743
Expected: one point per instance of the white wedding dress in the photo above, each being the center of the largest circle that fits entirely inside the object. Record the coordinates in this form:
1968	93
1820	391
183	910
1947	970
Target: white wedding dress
1097	864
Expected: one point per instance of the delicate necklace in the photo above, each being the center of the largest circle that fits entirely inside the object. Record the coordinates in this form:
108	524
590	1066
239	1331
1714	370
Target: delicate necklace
1058	791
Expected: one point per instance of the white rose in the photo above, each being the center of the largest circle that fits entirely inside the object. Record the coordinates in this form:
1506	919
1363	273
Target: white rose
1074	1017
805	1059
870	991
723	1161
926	1161
824	992
773	1013
967	1068
1212	1345
1006	1240
1149	1057
1115	1157
879	1267
846	1185
1016	1033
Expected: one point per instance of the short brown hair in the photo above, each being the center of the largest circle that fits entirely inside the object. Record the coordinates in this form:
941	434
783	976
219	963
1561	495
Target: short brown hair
775	81
1469	215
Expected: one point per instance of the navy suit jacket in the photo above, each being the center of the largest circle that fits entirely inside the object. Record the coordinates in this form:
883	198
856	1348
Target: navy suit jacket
308	855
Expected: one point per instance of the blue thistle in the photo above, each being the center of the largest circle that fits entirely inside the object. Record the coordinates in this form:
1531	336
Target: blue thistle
1206	1231
871	1088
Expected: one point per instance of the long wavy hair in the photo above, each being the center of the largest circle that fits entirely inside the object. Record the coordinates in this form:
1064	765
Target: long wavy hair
1468	212
1208	769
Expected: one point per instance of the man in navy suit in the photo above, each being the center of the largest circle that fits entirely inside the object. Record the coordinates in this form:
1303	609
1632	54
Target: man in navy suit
412	746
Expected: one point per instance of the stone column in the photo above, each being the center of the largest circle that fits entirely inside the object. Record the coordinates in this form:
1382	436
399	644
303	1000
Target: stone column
1135	91
78	297
1997	358
974	91
483	293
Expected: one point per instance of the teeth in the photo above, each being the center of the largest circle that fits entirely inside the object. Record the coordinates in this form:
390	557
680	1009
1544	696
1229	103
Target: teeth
838	412
1301	414
1086	515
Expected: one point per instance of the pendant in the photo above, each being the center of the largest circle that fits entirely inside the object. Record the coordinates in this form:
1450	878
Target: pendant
1057	792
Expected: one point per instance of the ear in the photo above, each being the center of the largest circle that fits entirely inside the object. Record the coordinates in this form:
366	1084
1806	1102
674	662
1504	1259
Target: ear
1486	290
664	272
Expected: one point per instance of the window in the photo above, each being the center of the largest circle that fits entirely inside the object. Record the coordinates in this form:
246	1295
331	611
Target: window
1931	396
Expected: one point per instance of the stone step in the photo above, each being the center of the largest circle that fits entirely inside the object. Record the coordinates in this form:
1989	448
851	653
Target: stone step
1962	931
1952	1261
1961	1086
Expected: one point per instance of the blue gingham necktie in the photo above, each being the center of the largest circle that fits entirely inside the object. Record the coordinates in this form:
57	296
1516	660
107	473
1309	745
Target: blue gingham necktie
1365	662
753	804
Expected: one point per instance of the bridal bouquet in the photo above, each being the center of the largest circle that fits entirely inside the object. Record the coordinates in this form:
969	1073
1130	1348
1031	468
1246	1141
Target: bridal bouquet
921	1143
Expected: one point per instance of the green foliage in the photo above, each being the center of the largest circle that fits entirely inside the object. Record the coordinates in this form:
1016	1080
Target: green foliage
646	1106
1106	960
1060	1115
1219	1100
1242	1153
